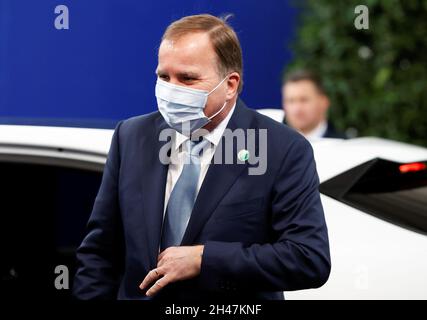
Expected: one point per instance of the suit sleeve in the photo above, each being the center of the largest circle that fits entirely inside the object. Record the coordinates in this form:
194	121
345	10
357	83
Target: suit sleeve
298	258
98	259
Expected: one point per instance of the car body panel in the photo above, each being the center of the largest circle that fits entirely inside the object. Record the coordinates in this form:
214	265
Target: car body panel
94	141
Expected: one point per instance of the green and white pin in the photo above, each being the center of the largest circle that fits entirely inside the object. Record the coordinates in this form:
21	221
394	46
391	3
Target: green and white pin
243	155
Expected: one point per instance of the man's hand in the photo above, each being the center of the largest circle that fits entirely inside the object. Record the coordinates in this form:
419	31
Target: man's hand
173	264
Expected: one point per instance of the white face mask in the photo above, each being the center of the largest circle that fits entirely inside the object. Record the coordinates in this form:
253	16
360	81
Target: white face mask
182	107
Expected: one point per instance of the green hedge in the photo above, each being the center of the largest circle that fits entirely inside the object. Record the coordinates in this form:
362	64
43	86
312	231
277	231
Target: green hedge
376	78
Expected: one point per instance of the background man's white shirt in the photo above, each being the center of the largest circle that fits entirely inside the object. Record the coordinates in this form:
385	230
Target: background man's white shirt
317	132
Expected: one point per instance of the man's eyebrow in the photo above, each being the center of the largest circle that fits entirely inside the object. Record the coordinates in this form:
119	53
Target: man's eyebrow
184	74
188	74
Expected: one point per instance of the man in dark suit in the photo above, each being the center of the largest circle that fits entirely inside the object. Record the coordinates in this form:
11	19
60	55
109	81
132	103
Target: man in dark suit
218	225
306	105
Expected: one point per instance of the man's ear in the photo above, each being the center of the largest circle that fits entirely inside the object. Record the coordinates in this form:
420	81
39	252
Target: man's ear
232	85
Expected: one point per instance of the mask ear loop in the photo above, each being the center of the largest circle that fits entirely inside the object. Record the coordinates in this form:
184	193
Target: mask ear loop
218	112
217	85
223	106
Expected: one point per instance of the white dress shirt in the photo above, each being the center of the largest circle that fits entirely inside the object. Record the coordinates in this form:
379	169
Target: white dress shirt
179	150
318	132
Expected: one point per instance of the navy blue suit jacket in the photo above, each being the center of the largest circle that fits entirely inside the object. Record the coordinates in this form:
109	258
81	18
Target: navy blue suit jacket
262	233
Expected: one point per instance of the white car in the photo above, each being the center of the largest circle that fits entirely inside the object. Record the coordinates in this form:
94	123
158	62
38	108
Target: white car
374	193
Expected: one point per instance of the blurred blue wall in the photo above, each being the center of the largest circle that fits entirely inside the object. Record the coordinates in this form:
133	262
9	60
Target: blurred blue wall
102	68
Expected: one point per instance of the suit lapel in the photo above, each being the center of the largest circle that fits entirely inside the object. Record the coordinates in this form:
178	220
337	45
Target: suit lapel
218	180
154	174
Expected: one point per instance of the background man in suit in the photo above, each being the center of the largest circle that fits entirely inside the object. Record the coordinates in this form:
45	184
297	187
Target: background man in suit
306	105
197	229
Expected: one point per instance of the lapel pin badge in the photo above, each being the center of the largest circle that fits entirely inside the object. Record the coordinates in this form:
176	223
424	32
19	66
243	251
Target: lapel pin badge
243	155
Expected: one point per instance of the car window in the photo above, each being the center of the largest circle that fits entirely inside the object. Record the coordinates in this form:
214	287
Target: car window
395	192
44	210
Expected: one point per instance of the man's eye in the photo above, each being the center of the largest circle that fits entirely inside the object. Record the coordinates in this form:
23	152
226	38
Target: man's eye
164	77
188	79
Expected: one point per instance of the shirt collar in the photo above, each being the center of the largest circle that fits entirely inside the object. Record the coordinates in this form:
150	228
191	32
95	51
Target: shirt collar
213	136
318	132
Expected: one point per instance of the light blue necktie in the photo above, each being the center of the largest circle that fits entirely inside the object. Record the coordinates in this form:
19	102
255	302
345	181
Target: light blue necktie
183	196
